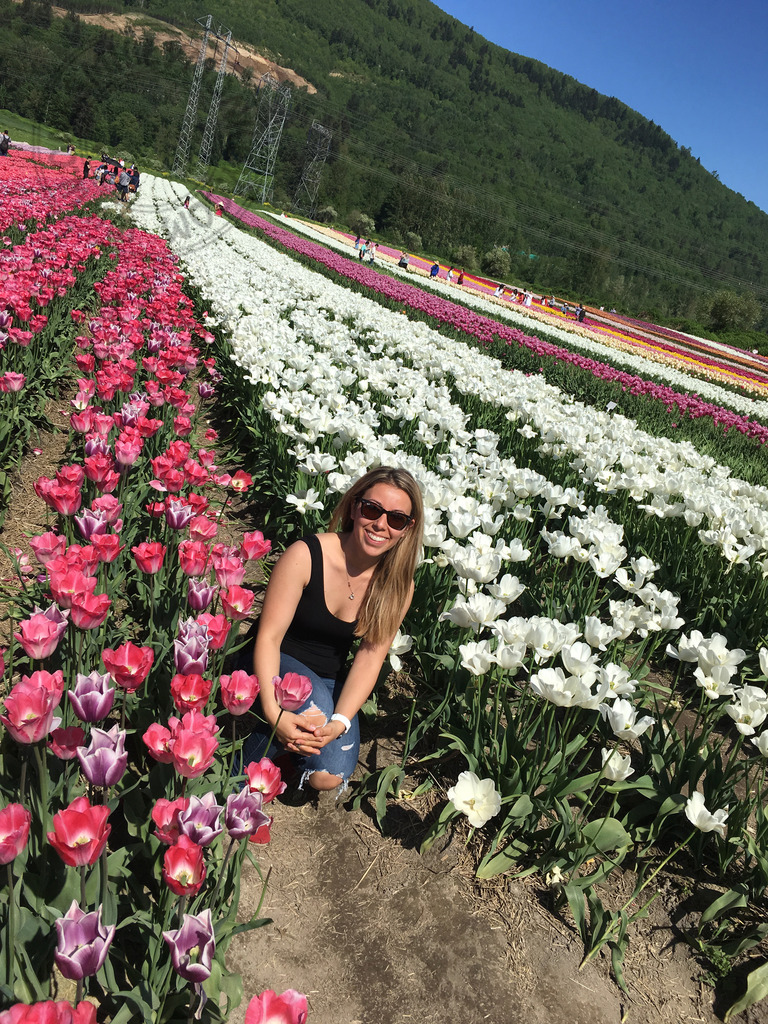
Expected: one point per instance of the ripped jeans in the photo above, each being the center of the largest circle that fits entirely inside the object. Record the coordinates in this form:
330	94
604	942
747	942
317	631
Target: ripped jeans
338	757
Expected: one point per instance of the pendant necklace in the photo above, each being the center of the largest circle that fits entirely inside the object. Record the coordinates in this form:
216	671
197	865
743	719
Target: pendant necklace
349	581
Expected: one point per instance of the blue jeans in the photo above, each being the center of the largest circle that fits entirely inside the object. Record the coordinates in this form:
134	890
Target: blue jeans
338	757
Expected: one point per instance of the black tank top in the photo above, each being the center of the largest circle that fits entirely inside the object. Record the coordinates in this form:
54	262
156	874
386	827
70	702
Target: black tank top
316	637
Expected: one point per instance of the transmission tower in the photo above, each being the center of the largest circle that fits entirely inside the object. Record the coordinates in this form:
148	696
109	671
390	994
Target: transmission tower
258	171
188	124
210	125
318	147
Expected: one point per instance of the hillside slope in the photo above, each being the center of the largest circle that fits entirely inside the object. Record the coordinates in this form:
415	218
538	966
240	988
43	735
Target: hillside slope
436	131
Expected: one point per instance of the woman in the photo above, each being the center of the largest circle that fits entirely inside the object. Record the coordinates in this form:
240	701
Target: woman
326	591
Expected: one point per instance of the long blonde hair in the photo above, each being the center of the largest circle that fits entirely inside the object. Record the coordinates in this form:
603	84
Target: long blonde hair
381	611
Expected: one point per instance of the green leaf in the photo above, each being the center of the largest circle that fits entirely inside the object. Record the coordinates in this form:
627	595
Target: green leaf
447	814
730	900
387	783
757	989
575	896
605	834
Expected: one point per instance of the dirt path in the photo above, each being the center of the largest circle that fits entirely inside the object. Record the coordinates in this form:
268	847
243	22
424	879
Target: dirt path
374	933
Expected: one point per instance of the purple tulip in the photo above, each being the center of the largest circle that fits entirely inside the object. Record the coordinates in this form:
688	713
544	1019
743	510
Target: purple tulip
191	656
97	446
205	390
187	628
201	821
90	523
82	943
200	593
92	697
243	815
178	515
104	761
192	946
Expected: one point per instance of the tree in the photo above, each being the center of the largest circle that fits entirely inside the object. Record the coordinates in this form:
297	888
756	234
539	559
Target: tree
361	223
496	262
413	241
465	256
731	311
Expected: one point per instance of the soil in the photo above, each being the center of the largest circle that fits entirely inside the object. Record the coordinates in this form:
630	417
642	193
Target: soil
375	933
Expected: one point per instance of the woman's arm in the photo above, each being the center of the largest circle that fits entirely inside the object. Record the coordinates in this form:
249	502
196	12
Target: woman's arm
360	681
289	577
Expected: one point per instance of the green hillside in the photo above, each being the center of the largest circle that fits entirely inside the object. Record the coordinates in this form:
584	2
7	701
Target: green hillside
436	131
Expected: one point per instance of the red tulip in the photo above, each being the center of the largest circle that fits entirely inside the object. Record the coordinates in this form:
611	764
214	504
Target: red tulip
192	751
263	834
201	528
269	1008
50	1013
254	546
183	868
80	832
165	815
149	556
14	831
47	546
241	481
157	738
193	557
128	665
239	691
107	546
64	742
67	584
89	610
190	692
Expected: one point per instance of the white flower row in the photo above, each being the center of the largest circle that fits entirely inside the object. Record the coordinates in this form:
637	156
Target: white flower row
332	387
252	283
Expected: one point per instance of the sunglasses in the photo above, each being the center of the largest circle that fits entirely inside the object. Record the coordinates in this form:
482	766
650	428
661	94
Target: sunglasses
373	510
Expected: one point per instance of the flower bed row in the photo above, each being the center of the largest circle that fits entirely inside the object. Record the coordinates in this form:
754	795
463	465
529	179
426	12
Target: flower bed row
122	825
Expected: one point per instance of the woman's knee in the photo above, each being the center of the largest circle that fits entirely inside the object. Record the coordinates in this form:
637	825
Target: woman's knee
323	781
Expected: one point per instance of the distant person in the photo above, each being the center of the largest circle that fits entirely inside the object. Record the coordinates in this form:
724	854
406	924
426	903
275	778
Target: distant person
449	277
581	313
499	291
403	261
123	183
186	203
460	278
5	141
362	250
357	242
371	252
219	211
434	270
86	168
135	178
528	300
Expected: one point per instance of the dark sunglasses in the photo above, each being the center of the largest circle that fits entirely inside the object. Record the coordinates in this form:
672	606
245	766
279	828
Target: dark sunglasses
373	510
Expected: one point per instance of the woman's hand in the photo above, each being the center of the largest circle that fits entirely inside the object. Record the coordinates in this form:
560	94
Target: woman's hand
297	733
328	733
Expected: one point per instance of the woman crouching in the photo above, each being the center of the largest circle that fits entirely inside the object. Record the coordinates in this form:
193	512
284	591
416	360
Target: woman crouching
326	592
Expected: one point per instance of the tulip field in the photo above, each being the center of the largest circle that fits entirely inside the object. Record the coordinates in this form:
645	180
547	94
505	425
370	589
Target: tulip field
586	656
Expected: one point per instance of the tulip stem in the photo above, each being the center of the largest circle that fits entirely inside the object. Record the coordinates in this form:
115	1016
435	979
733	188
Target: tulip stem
232	755
82	886
42	771
23	777
222	872
11	975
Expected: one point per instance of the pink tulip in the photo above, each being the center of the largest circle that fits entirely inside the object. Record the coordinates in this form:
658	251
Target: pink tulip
218	630
183	868
237	603
40	633
29	712
64	742
149	556
264	777
47	546
190	692
165	815
88	611
14	831
292	690
80	832
239	691
269	1008
157	738
254	546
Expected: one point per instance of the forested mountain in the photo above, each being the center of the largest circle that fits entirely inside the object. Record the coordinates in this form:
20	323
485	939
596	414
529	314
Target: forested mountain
435	131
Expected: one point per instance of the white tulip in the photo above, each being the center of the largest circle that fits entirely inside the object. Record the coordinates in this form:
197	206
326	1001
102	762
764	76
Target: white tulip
701	818
477	798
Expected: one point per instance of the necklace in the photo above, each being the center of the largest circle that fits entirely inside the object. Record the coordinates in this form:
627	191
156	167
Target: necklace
349	581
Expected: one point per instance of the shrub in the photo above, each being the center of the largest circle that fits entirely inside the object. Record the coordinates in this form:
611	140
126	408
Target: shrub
327	214
466	256
413	241
361	223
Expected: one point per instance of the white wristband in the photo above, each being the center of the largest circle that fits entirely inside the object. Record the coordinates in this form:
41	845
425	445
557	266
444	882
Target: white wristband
344	721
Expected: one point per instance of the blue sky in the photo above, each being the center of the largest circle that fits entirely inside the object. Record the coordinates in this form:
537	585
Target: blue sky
698	68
